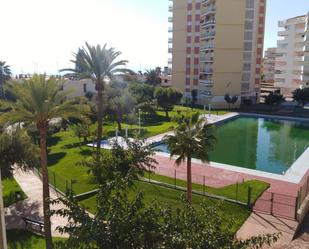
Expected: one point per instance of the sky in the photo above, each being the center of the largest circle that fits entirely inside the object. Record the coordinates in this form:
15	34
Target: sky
41	35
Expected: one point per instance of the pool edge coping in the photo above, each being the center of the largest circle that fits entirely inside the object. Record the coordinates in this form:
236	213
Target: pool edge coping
294	174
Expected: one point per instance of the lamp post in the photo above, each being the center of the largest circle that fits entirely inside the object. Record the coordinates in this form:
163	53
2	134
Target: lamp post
3	244
139	121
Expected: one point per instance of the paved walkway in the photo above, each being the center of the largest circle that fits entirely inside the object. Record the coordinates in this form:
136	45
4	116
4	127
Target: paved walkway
32	207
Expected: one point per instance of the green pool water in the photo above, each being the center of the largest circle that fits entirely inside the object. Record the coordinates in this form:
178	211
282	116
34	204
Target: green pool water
269	145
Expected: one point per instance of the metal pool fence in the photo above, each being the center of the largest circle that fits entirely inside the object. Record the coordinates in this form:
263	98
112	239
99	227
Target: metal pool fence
283	205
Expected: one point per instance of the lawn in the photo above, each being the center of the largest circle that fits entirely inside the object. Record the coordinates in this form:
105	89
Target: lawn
257	188
10	187
66	150
20	239
171	197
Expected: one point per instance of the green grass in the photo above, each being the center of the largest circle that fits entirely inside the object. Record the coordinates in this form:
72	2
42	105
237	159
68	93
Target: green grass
10	187
173	198
258	187
20	239
65	151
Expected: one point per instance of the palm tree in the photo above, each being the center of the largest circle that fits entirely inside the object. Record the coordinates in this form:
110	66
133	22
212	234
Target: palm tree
193	137
5	75
153	76
98	64
38	100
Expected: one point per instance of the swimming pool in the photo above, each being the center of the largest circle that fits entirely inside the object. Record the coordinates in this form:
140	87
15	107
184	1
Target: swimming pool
266	144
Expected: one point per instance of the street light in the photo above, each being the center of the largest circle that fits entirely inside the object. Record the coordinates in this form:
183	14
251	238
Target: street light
3	244
139	121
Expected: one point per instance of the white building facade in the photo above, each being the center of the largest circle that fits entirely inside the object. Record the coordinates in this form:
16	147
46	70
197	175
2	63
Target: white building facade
291	67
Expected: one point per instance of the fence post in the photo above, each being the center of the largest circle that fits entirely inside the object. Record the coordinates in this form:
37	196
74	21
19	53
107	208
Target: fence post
249	196
55	180
236	191
149	176
272	204
204	180
296	207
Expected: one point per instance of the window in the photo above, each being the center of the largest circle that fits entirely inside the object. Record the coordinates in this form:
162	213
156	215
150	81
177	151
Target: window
248	46
248	35
249	25
249	14
246	77
85	88
250	4
247	56
247	67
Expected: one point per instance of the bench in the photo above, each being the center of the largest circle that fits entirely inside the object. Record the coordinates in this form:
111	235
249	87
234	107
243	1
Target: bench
34	226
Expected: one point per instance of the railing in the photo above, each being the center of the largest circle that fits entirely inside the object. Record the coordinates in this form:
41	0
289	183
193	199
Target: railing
279	205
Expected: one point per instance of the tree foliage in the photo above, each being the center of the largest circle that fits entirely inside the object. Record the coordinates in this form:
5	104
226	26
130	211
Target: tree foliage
274	98
167	98
301	96
153	76
17	149
5	75
193	137
194	94
230	99
123	221
97	63
38	101
119	103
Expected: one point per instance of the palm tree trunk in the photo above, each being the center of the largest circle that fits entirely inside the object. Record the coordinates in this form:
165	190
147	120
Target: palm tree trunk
189	180
119	124
99	88
46	197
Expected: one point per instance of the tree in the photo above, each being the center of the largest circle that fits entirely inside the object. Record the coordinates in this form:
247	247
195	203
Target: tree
301	96
193	137
39	100
274	99
230	100
98	64
5	75
193	98
82	130
124	221
119	103
153	76
16	149
167	98
142	92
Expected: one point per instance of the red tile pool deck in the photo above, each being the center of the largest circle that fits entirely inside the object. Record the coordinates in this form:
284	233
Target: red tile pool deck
285	193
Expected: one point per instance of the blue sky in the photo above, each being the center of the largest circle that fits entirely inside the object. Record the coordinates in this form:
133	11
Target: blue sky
42	34
280	10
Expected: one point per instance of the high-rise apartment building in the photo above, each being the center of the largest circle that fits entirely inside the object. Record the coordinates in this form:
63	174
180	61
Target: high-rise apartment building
268	66
217	48
292	61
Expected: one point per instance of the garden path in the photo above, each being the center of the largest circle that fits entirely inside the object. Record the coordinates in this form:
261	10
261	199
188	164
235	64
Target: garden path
32	207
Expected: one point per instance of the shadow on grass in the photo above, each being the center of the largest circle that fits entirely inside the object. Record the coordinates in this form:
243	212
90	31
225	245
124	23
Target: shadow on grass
55	158
54	140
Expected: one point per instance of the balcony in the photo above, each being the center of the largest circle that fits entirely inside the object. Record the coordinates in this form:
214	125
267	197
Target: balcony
170	8
170	61
283	33
170	40
207	83
208	11
170	50
206	70
170	29
208	35
282	24
205	23
170	19
207	47
206	59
